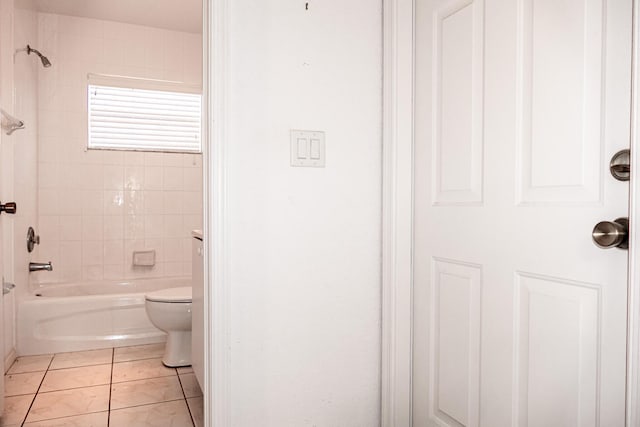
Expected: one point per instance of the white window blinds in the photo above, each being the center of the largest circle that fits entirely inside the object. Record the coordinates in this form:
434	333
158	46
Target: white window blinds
147	115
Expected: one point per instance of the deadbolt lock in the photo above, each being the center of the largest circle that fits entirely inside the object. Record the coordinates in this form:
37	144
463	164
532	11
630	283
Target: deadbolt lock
620	165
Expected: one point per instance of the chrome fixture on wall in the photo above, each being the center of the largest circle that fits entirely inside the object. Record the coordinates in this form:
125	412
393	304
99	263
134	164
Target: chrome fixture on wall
39	266
7	286
32	239
9	123
45	61
9	207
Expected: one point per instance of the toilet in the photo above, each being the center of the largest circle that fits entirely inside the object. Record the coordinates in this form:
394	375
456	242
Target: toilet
170	311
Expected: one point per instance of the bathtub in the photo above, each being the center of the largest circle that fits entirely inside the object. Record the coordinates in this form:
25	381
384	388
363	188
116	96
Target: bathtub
84	316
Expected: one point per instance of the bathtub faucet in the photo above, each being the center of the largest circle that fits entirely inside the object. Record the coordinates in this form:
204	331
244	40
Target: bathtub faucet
39	266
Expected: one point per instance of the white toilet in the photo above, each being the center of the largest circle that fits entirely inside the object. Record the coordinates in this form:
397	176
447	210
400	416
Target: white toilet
170	311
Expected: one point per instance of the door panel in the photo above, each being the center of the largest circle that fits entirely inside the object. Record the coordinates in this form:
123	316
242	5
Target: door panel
458	103
456	341
556	351
559	70
519	319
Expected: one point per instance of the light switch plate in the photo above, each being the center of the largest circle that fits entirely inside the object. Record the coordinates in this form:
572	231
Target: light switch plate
307	148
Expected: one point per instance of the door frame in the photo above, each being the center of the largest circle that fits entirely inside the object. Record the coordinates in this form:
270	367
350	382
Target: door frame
216	82
397	213
397	220
633	302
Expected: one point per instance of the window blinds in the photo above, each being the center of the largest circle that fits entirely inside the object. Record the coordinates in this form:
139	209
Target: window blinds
130	118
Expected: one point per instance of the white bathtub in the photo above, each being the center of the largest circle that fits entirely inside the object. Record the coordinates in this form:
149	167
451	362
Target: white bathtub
84	316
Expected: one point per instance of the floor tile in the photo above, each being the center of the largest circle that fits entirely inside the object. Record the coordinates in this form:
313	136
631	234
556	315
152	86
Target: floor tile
15	409
143	392
150	351
65	403
77	390
140	369
97	419
82	358
196	407
174	414
27	383
30	364
84	376
190	385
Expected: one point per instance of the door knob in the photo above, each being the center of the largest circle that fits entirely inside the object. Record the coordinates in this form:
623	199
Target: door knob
9	207
607	234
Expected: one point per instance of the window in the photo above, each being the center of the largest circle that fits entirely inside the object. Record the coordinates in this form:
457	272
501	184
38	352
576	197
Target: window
139	114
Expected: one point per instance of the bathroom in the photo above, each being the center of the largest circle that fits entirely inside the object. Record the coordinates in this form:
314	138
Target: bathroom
401	194
108	224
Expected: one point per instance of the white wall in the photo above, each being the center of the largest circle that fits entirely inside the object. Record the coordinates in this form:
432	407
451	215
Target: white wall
96	207
18	158
6	177
6	141
305	243
25	145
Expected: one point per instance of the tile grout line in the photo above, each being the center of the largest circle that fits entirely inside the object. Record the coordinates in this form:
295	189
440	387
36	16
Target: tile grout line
67	388
137	360
79	366
113	356
140	405
65	416
143	379
186	402
37	391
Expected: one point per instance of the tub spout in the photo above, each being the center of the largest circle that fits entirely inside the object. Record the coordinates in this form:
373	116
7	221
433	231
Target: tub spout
39	266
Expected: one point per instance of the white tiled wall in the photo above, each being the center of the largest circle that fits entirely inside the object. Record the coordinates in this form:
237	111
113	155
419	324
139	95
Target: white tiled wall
97	207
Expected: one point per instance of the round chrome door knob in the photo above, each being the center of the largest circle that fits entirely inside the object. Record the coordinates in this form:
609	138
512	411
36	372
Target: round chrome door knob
607	234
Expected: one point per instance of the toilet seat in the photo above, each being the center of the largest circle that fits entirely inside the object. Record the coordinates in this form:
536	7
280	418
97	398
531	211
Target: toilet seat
182	294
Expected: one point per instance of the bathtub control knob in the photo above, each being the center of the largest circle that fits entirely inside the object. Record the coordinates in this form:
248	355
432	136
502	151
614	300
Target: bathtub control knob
32	239
9	207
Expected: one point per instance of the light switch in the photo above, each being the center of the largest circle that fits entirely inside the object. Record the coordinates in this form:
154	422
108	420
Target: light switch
303	150
315	149
307	148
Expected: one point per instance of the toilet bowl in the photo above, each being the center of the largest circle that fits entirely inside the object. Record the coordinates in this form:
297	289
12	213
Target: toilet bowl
170	311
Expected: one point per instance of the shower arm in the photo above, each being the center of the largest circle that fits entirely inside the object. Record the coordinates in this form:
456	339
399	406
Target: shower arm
45	61
36	51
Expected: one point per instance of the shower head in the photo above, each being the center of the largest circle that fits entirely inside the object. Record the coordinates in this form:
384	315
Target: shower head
45	61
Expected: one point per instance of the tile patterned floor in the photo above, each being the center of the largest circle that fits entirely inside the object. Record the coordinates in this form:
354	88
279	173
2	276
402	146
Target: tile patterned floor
121	387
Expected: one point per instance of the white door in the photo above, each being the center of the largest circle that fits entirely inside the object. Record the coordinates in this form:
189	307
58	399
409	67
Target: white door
520	320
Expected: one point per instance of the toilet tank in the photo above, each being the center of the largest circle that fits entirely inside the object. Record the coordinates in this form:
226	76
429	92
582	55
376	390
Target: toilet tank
197	315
